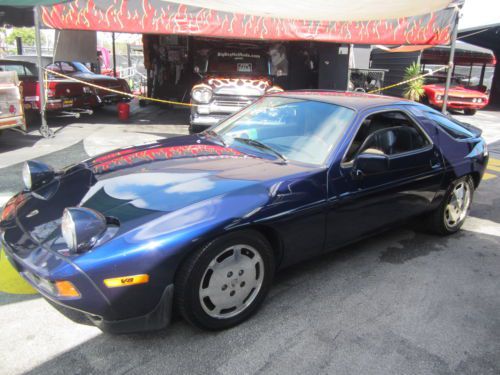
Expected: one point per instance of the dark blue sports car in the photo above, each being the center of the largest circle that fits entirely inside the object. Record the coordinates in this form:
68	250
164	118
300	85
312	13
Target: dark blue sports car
199	224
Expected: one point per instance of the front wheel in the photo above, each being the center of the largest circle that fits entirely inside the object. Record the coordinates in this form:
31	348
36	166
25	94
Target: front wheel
449	217
470	112
223	283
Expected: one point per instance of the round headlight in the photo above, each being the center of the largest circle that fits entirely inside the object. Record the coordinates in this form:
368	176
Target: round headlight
68	230
474	100
81	228
479	100
202	94
439	97
36	174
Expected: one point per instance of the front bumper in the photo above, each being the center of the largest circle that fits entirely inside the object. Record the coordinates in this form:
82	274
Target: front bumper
92	305
460	105
12	122
71	107
205	115
158	318
199	122
456	105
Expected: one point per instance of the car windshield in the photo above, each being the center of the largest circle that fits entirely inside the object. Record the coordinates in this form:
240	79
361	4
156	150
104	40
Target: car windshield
238	62
81	67
290	128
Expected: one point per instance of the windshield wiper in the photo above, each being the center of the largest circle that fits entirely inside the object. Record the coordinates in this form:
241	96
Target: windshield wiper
217	136
258	144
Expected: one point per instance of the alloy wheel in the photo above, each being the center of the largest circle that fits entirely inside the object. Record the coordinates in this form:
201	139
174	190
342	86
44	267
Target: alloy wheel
231	281
458	205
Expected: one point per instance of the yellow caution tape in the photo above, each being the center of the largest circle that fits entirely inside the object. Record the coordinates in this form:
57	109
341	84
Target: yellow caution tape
407	81
141	97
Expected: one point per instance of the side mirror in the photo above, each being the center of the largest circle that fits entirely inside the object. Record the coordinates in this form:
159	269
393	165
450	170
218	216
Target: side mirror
368	163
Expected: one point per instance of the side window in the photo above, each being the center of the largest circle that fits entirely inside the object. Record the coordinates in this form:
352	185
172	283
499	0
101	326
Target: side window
67	68
54	67
391	133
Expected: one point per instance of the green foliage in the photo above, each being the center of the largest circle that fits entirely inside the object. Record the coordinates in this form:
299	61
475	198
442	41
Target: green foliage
415	89
27	35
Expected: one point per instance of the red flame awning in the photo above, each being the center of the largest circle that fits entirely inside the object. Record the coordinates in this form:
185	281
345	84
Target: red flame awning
176	17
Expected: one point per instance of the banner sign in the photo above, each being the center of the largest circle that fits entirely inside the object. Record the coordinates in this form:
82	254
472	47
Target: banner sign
164	17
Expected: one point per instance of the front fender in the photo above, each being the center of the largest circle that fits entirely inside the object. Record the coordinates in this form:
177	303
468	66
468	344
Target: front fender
158	247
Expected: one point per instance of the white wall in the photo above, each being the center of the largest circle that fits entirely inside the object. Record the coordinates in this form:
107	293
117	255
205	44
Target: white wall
75	45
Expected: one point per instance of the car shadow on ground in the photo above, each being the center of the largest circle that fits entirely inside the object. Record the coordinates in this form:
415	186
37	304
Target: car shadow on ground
108	114
153	114
12	140
360	307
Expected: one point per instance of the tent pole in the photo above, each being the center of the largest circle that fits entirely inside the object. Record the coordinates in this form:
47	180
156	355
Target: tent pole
114	53
44	128
450	62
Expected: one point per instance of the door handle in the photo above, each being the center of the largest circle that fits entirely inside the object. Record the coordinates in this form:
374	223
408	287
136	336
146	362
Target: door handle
435	164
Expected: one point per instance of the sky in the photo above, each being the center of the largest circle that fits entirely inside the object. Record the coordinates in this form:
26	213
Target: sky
476	13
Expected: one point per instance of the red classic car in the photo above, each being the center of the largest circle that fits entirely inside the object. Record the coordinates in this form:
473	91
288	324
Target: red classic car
459	97
64	97
80	71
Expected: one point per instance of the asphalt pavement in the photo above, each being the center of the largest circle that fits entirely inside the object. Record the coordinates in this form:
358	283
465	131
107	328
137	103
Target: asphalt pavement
404	302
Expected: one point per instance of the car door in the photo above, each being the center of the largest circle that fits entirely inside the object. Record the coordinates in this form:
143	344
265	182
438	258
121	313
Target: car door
362	202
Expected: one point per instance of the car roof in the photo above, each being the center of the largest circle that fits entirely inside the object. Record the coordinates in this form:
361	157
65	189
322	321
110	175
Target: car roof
349	99
16	62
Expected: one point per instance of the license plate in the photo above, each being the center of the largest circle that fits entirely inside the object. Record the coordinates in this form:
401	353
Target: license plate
244	67
67	103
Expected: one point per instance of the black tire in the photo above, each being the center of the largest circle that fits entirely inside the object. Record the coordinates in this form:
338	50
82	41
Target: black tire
193	272
470	112
437	222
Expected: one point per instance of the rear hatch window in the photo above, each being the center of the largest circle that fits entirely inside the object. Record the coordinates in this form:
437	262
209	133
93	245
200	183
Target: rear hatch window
455	128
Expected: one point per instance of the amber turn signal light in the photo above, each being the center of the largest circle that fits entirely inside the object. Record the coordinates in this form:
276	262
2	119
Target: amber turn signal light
66	289
116	282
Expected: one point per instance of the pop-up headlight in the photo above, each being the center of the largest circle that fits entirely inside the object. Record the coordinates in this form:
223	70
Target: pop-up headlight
82	228
36	174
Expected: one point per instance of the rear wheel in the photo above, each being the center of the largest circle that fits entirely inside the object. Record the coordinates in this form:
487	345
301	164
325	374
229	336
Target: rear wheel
223	283
470	112
449	217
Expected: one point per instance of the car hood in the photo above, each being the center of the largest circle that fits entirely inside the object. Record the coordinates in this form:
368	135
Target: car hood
137	184
455	91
